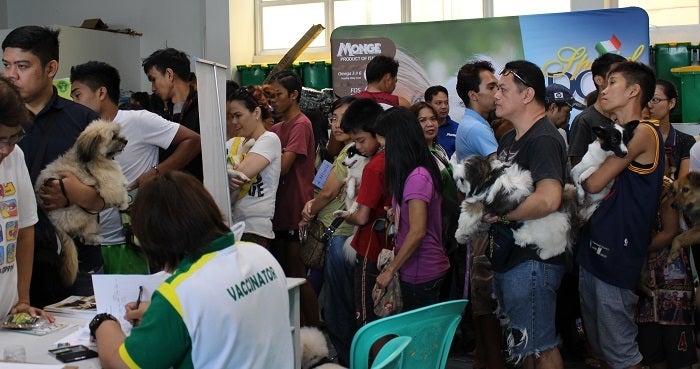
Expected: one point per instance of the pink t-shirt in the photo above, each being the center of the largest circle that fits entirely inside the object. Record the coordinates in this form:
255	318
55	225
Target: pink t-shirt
295	188
430	261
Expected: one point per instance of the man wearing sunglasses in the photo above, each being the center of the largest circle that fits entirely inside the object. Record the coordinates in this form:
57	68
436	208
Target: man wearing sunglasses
30	59
525	284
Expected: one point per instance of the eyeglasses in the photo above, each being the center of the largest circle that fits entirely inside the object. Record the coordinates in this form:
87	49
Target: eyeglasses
504	72
656	100
12	140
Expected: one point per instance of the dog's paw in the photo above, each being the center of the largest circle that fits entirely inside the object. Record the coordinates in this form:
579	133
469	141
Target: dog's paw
341	213
675	251
235	174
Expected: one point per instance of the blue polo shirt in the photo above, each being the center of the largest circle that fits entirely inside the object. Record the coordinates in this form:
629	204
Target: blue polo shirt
474	136
447	133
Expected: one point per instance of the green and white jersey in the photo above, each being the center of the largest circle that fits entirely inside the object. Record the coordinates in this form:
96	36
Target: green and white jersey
229	308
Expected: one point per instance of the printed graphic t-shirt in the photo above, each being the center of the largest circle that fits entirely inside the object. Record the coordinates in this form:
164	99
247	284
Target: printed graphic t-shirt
17	210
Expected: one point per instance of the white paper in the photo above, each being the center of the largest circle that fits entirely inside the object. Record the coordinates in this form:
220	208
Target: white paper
322	174
114	291
79	337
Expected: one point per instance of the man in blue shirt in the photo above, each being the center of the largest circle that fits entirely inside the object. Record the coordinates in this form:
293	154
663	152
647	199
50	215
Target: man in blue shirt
476	86
447	130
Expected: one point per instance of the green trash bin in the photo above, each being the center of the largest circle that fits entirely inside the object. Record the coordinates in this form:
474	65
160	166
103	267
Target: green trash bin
294	68
665	57
252	74
690	92
317	75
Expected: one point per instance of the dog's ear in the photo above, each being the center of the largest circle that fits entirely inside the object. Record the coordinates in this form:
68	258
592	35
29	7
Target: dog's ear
88	146
599	131
630	127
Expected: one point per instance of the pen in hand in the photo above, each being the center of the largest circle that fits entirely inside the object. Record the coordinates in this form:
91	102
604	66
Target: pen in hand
138	299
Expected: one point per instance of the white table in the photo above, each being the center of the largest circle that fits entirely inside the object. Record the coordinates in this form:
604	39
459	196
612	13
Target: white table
37	346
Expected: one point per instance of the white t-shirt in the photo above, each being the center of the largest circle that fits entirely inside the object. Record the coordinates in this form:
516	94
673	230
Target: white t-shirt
695	157
146	132
17	210
257	208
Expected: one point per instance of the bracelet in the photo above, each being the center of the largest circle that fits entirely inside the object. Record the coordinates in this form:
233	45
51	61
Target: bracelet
155	167
504	219
98	320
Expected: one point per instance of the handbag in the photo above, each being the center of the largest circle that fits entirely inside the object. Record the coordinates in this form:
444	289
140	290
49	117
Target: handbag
387	301
313	242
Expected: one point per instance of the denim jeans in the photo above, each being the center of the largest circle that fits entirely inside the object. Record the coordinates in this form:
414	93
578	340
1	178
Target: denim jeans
527	297
339	299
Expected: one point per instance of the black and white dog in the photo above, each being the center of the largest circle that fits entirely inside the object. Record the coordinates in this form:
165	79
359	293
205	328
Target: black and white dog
355	162
494	187
612	140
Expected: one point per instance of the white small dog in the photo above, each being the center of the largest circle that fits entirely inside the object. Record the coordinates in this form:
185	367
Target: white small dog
314	350
494	187
91	160
612	139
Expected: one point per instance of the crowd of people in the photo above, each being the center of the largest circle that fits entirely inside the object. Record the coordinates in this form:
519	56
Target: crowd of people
523	308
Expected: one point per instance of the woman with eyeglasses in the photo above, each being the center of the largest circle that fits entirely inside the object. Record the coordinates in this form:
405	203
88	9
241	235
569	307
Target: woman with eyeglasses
677	143
338	304
17	245
413	179
255	204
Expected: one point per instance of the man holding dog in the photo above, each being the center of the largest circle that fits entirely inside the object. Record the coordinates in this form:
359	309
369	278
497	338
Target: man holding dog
96	85
30	59
525	284
611	248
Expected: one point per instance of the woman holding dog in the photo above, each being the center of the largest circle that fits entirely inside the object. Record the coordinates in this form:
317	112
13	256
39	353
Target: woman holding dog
255	204
338	301
413	179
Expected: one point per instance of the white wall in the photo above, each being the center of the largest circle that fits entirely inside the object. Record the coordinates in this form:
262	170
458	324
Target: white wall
198	27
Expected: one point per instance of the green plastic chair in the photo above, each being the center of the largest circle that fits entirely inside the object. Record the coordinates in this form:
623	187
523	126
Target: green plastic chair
391	354
431	328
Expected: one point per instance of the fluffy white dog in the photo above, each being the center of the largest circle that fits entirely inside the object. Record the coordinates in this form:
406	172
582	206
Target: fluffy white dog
91	160
494	187
314	350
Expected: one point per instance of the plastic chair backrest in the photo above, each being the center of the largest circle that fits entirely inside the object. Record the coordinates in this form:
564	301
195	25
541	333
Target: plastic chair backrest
391	354
431	328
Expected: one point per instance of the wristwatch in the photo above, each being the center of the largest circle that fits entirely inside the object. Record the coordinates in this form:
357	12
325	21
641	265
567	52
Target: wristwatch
98	320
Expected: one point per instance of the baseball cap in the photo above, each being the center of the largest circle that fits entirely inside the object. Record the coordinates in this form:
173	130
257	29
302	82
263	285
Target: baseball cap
557	93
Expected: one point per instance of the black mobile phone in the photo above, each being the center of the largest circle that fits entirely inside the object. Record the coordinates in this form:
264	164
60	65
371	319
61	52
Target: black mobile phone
73	353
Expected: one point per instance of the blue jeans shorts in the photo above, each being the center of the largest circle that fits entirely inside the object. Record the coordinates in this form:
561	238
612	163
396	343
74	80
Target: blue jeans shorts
527	298
608	317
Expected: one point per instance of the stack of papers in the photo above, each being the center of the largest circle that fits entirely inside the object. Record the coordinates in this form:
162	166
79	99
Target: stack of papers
83	306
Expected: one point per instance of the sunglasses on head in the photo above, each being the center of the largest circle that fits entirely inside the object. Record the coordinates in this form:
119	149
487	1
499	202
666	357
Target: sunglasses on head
504	72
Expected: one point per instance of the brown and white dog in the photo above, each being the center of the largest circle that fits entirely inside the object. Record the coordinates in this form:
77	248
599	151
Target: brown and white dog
91	160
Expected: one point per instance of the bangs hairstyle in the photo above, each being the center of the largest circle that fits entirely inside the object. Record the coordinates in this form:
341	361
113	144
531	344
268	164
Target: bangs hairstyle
360	116
345	100
13	113
290	81
171	58
40	41
405	150
97	74
174	217
637	73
